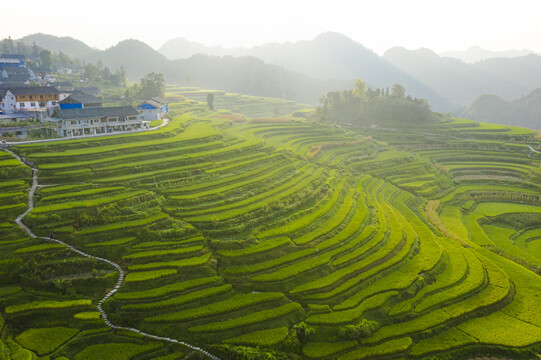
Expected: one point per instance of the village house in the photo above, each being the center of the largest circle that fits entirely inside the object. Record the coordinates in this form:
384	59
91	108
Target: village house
65	88
96	120
13	60
80	101
153	109
88	90
29	98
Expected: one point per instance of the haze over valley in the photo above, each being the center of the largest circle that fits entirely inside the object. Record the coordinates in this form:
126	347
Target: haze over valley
239	180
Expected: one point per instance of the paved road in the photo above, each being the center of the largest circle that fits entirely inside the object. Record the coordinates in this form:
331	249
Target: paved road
115	265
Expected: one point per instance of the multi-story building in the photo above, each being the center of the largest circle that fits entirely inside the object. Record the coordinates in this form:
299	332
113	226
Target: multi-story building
97	120
80	101
18	99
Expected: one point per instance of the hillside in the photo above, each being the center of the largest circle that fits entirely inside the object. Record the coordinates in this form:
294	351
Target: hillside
305	70
328	56
276	238
448	84
68	45
476	53
245	75
524	111
455	80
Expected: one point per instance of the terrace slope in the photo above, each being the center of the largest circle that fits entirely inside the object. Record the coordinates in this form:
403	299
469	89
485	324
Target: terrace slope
290	237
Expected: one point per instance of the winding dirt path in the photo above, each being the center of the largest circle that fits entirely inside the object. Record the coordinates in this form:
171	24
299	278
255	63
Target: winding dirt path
121	274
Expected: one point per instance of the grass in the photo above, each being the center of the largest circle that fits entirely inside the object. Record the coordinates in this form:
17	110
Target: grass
167	289
162	253
117	351
123	224
179	300
149	275
46	305
253	318
45	340
235	303
268	337
70	205
265	245
317	350
386	348
223	221
39	248
88	315
195	261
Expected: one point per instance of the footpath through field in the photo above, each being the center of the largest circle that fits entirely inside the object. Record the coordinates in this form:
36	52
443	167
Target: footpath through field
121	276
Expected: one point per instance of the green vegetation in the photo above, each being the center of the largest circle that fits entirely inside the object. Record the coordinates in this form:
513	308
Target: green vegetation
149	275
51	304
254	318
45	340
278	237
236	302
121	351
261	338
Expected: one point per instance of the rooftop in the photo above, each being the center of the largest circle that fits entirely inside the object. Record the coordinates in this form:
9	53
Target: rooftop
33	90
82	99
87	113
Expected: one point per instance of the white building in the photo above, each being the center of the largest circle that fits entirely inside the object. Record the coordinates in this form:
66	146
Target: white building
153	109
99	120
18	99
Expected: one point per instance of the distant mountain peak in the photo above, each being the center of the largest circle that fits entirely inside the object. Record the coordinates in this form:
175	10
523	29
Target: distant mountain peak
477	53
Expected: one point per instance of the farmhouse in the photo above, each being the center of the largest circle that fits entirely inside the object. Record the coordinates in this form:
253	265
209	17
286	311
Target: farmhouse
153	109
29	98
13	60
65	88
96	120
89	90
80	101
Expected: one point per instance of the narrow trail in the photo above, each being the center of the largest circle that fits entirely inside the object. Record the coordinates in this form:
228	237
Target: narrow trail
121	276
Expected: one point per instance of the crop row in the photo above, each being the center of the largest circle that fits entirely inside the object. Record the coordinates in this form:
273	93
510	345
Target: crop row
237	302
253	318
180	300
46	305
167	289
306	220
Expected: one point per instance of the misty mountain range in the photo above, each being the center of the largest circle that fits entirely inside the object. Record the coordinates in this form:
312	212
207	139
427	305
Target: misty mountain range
305	70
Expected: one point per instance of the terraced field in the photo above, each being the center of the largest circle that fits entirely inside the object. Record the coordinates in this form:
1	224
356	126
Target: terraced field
280	237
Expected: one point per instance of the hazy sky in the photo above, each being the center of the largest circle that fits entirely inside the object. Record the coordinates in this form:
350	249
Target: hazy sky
378	25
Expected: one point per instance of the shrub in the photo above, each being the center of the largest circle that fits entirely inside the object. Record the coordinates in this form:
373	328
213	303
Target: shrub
363	329
304	332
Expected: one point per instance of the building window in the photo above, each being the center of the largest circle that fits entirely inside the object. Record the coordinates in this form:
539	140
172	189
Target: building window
32	104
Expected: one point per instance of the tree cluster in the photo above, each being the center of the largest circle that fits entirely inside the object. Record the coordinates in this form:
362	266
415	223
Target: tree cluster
151	85
373	106
101	73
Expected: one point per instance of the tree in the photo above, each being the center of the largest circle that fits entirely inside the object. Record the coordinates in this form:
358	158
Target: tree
304	332
91	71
152	85
398	91
360	89
35	50
45	58
210	101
